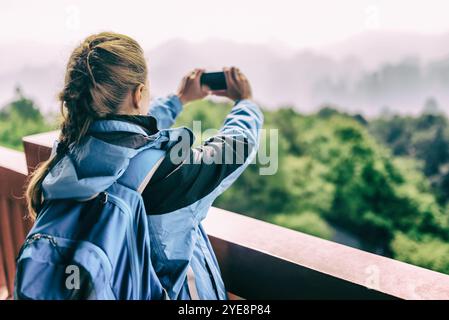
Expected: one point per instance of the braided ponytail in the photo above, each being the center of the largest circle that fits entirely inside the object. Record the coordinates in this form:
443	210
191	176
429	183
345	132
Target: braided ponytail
100	73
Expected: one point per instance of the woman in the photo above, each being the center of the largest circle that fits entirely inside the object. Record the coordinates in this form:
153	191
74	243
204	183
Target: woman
112	137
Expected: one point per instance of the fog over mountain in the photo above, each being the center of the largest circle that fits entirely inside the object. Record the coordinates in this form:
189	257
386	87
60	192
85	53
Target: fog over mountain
366	74
375	48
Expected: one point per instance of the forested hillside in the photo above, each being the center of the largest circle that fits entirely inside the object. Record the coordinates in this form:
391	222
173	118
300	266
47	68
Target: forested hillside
382	181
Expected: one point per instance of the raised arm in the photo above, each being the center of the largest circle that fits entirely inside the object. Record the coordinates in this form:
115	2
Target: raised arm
206	171
166	110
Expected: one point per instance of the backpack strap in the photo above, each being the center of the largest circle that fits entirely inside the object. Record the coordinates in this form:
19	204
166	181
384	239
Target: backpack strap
191	284
141	169
148	177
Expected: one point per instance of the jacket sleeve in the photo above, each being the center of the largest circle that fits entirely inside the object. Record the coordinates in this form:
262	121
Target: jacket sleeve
165	110
206	171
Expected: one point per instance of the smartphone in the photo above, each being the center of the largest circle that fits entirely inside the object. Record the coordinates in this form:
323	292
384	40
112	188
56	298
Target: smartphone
214	80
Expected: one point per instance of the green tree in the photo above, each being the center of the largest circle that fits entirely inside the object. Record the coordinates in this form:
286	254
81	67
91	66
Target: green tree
19	118
379	180
332	170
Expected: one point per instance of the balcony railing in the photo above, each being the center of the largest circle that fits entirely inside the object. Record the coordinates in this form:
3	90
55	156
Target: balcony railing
258	260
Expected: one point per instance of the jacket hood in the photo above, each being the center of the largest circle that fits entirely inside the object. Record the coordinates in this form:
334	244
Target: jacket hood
94	165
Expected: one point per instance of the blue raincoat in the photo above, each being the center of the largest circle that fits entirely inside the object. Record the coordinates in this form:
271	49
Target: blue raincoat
183	187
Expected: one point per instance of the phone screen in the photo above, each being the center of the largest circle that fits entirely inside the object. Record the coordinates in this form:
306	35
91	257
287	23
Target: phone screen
214	80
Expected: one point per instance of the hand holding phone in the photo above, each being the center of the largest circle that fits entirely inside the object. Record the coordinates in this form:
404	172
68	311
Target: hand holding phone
216	81
230	83
190	88
237	85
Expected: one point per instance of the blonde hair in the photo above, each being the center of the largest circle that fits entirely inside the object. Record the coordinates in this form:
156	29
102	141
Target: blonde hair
100	73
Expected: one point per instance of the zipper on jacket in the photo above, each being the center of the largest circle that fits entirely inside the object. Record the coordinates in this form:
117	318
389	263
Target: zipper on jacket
38	236
131	239
35	237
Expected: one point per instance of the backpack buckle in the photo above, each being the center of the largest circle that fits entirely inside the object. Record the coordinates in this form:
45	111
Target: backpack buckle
103	197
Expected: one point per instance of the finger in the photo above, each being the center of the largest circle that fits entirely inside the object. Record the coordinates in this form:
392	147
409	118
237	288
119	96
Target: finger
199	73
192	74
205	89
241	75
229	78
234	74
243	79
226	71
238	73
197	76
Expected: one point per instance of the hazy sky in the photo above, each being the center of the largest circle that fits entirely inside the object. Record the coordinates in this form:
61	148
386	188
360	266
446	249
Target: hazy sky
291	22
37	36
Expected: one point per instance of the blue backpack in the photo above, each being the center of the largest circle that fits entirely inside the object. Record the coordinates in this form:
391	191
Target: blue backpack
93	249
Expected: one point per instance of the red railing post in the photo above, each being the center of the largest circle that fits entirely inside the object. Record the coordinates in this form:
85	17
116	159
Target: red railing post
258	260
13	227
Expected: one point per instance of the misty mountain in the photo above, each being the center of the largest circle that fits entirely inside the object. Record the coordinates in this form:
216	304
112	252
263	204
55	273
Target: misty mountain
365	74
375	48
